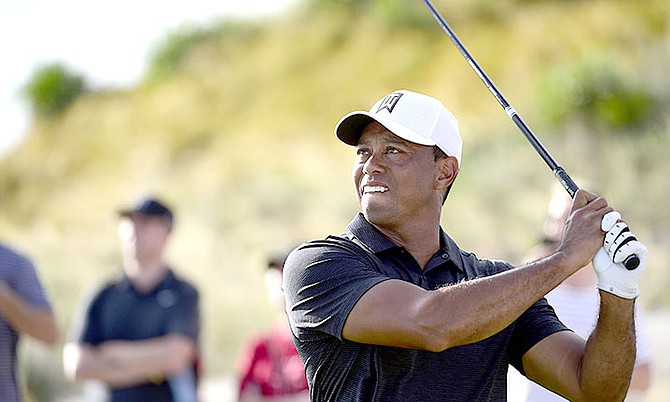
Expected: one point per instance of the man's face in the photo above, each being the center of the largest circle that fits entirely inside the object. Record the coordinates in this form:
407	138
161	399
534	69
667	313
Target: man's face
394	178
142	236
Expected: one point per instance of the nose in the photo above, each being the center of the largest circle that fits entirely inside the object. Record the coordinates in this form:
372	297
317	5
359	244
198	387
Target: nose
374	164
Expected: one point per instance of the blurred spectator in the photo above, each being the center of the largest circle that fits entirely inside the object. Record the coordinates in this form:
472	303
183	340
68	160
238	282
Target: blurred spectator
24	310
269	367
139	334
576	303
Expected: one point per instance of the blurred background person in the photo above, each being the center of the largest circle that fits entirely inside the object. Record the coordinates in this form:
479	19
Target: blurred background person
24	310
139	334
268	366
576	303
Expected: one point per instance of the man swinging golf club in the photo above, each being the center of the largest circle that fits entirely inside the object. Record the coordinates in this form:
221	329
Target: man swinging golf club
394	310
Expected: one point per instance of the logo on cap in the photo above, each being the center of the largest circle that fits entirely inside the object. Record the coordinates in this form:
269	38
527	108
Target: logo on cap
389	102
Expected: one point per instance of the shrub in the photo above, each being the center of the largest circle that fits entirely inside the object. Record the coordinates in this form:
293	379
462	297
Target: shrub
169	56
52	88
595	89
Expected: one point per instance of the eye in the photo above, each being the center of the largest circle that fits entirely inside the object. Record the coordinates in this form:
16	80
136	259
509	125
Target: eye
393	150
362	151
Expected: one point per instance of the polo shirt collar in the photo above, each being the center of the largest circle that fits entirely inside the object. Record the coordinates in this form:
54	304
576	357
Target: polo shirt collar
126	285
376	242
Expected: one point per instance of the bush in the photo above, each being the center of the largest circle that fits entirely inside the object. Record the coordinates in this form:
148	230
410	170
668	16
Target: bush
172	54
52	88
393	13
595	89
169	56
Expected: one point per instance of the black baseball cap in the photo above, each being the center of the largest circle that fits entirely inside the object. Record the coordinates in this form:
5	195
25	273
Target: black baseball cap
149	207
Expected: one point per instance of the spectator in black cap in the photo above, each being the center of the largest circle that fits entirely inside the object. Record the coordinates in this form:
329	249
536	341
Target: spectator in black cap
139	333
150	207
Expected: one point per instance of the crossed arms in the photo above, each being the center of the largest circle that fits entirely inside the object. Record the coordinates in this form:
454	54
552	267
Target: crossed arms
125	363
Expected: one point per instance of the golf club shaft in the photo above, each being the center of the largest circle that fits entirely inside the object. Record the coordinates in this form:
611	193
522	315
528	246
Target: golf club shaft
566	181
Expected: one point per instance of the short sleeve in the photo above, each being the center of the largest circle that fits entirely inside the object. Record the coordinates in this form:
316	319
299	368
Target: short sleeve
185	314
323	281
85	326
535	324
25	281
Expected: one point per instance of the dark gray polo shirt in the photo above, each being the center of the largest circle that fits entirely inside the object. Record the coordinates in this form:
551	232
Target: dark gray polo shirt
119	312
324	279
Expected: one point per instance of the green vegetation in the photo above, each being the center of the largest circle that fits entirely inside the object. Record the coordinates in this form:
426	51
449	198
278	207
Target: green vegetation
594	89
52	88
233	125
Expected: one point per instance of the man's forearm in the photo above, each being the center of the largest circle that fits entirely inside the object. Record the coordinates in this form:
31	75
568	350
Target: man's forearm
36	321
160	356
609	356
83	362
498	300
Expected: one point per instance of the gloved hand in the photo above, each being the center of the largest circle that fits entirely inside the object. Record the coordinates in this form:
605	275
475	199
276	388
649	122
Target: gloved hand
619	243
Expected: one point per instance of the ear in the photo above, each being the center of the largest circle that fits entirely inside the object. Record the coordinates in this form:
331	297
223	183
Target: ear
447	171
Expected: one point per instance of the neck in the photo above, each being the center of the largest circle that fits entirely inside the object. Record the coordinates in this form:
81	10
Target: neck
145	275
421	241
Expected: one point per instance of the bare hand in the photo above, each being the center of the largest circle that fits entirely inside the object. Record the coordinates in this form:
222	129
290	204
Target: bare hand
583	236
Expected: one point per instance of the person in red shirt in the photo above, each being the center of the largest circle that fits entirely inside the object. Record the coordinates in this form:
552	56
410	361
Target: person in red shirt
269	367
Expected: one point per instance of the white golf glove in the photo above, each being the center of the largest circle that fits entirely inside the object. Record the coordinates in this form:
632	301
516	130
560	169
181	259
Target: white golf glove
620	243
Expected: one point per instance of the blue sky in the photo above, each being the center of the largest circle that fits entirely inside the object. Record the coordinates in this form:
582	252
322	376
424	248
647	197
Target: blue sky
108	42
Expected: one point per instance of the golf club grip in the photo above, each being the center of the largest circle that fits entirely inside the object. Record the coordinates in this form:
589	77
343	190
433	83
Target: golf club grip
566	181
632	261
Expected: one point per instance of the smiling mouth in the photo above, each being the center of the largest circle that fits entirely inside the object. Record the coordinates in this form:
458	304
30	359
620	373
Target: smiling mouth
374	189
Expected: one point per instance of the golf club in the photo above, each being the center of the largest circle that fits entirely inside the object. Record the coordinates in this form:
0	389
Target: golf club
566	181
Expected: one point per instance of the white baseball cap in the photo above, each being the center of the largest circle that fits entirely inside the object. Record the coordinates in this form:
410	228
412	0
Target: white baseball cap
412	116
